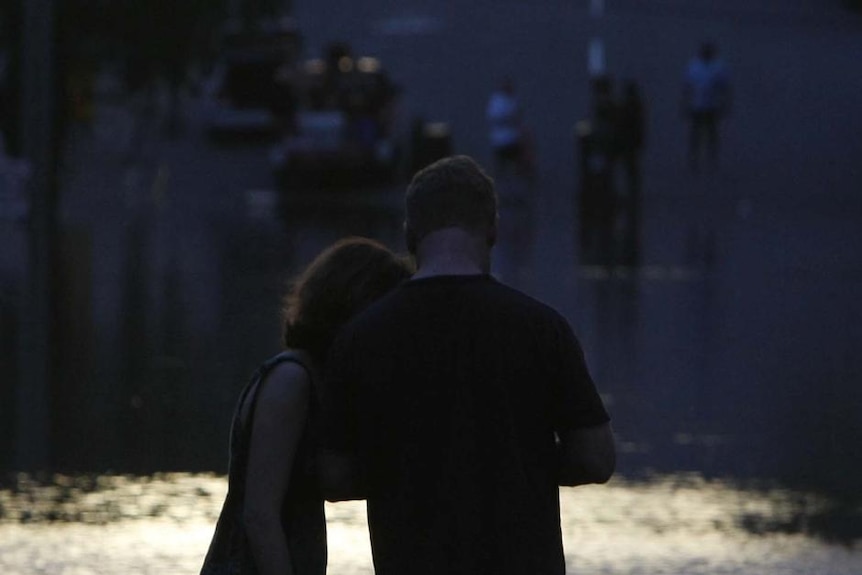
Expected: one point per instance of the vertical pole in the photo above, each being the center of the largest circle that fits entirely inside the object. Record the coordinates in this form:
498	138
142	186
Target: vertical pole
36	353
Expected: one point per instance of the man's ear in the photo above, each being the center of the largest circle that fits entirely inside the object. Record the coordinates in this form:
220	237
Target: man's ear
410	239
491	236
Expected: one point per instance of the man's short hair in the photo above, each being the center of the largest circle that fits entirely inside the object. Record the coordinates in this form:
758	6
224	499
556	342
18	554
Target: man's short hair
451	192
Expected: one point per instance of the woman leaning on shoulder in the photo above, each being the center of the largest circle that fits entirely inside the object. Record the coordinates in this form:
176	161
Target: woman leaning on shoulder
272	481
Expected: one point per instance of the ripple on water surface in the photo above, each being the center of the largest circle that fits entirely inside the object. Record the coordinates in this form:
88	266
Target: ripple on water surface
671	525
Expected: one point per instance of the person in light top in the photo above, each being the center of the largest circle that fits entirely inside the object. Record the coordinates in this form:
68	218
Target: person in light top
706	99
506	130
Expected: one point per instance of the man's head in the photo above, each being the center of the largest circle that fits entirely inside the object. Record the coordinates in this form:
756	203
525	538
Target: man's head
450	193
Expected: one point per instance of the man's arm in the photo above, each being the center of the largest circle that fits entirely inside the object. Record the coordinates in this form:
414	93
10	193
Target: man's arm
339	476
338	465
586	455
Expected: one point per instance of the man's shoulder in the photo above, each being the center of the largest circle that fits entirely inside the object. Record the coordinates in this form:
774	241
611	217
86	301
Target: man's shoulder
482	297
512	305
527	300
376	313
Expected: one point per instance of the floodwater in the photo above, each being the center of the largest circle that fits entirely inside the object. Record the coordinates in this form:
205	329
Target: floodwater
669	525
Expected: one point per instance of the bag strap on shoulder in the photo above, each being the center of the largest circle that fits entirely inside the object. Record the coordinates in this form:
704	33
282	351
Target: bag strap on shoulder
252	389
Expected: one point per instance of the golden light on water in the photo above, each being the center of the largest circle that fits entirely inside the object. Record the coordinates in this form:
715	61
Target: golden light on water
347	535
686	525
676	525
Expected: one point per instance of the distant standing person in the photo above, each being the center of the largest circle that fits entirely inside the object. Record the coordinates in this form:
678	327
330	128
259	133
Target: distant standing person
706	99
457	405
272	521
509	138
631	125
600	151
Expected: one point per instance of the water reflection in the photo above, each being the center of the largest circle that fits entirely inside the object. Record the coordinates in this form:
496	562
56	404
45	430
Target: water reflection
668	525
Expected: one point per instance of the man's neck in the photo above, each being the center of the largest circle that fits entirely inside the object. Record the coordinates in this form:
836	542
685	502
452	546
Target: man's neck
451	251
444	267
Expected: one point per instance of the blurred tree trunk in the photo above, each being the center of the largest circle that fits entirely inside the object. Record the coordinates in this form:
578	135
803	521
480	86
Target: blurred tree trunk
39	147
11	30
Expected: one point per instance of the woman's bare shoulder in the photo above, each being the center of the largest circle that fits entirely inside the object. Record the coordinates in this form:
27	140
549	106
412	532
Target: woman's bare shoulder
286	380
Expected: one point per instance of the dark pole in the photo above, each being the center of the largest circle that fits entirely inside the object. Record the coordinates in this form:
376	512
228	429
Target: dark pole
38	138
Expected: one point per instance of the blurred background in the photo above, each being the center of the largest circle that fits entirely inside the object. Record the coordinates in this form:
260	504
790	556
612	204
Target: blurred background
167	168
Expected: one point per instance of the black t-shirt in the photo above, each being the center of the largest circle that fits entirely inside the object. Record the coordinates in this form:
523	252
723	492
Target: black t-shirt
450	390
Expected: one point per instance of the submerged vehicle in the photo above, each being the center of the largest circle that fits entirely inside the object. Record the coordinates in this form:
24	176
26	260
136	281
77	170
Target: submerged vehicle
344	130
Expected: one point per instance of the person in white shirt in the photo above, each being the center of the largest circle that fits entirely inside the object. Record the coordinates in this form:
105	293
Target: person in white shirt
505	128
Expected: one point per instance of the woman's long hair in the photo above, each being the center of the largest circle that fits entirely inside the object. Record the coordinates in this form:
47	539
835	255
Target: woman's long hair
341	281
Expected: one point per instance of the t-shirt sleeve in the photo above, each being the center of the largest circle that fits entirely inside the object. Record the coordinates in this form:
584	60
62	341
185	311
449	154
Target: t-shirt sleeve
577	403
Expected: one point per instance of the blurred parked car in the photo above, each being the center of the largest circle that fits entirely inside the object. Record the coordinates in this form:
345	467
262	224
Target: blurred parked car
345	129
250	88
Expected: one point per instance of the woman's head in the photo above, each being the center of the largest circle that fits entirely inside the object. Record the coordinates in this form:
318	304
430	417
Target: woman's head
341	281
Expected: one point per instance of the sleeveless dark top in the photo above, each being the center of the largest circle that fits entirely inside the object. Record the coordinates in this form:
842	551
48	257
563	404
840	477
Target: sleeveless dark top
302	514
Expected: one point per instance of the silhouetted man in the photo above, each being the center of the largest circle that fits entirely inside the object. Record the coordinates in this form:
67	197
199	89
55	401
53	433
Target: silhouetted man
457	405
